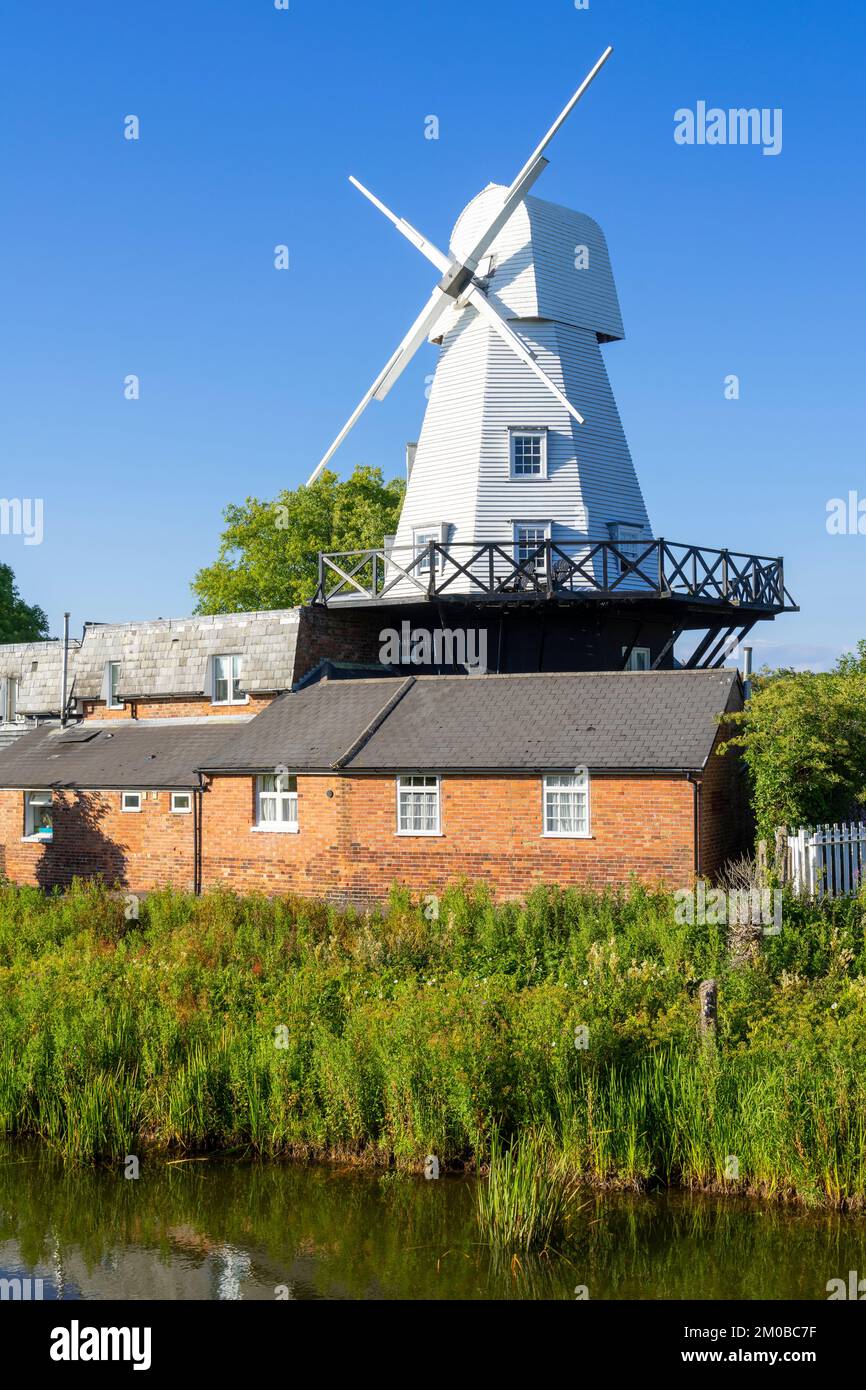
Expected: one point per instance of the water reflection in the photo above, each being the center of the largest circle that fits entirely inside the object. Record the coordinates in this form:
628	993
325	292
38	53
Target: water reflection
236	1230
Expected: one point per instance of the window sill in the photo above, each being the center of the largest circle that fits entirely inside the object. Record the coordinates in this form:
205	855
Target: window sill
275	829
36	839
419	834
567	835
229	704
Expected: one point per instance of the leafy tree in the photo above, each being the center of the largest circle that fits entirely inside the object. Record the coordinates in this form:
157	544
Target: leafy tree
803	736
19	621
268	551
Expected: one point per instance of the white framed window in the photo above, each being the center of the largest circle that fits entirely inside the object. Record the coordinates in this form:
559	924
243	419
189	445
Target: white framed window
639	659
418	806
529	539
38	815
566	805
131	801
181	803
277	803
9	710
421	538
528	453
227	681
112	685
629	540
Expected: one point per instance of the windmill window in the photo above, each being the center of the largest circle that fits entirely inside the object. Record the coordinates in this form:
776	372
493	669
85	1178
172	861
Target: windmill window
418	806
421	538
38	816
227	681
529	542
630	542
566	806
528	453
131	801
277	803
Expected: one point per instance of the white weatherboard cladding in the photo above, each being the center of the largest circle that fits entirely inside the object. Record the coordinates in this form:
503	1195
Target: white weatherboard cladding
461	478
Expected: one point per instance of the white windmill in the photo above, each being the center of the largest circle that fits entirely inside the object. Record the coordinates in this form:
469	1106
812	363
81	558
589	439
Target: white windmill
521	439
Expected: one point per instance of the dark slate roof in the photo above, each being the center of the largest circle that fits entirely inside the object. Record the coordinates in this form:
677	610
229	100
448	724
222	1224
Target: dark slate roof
606	721
310	729
141	755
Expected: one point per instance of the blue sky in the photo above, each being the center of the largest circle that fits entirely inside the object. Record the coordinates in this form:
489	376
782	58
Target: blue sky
155	257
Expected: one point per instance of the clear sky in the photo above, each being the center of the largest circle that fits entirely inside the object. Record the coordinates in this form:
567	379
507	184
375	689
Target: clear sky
156	257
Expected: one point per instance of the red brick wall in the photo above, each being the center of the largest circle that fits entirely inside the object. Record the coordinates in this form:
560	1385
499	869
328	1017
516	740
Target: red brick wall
347	845
180	708
94	838
727	828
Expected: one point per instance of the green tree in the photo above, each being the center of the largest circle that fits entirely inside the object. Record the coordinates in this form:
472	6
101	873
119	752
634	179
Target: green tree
803	736
19	621
268	550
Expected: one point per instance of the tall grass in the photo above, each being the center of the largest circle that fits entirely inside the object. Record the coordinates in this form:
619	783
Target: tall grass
528	1197
290	1027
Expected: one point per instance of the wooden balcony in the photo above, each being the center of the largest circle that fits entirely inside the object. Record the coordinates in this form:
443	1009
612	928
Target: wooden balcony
581	570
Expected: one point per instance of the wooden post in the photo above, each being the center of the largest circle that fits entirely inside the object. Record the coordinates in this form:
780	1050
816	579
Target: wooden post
709	1012
782	853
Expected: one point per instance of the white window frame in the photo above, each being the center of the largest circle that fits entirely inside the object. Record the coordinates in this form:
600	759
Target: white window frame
30	833
555	784
235	665
131	809
181	810
523	432
642	654
629	544
411	785
109	702
421	536
11	686
518	526
281	796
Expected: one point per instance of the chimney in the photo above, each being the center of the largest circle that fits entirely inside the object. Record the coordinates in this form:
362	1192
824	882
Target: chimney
747	672
64	671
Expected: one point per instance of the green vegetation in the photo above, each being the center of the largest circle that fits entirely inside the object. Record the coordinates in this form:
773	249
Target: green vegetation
804	740
530	1195
288	1027
19	621
268	550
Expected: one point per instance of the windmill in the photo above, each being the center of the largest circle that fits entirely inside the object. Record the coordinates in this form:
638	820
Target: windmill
461	281
521	486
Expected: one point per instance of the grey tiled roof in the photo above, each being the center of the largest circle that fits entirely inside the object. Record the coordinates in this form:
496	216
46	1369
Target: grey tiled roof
37	666
608	721
310	728
170	656
127	755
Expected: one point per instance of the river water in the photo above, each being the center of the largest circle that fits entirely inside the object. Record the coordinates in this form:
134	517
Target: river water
233	1229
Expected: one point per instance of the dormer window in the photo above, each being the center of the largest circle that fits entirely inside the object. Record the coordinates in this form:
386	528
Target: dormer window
113	685
528	453
9	709
227	681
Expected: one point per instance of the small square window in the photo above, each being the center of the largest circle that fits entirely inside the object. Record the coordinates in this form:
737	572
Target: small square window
528	453
181	803
227	681
639	659
418	806
130	801
421	538
566	805
38	815
277	803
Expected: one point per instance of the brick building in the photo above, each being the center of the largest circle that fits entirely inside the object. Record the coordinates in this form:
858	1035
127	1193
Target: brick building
207	752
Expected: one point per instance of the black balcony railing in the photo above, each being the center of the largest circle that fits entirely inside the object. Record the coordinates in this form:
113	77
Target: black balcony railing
556	569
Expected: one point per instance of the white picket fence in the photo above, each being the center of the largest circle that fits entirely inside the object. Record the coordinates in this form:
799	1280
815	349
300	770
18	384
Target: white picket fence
827	861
